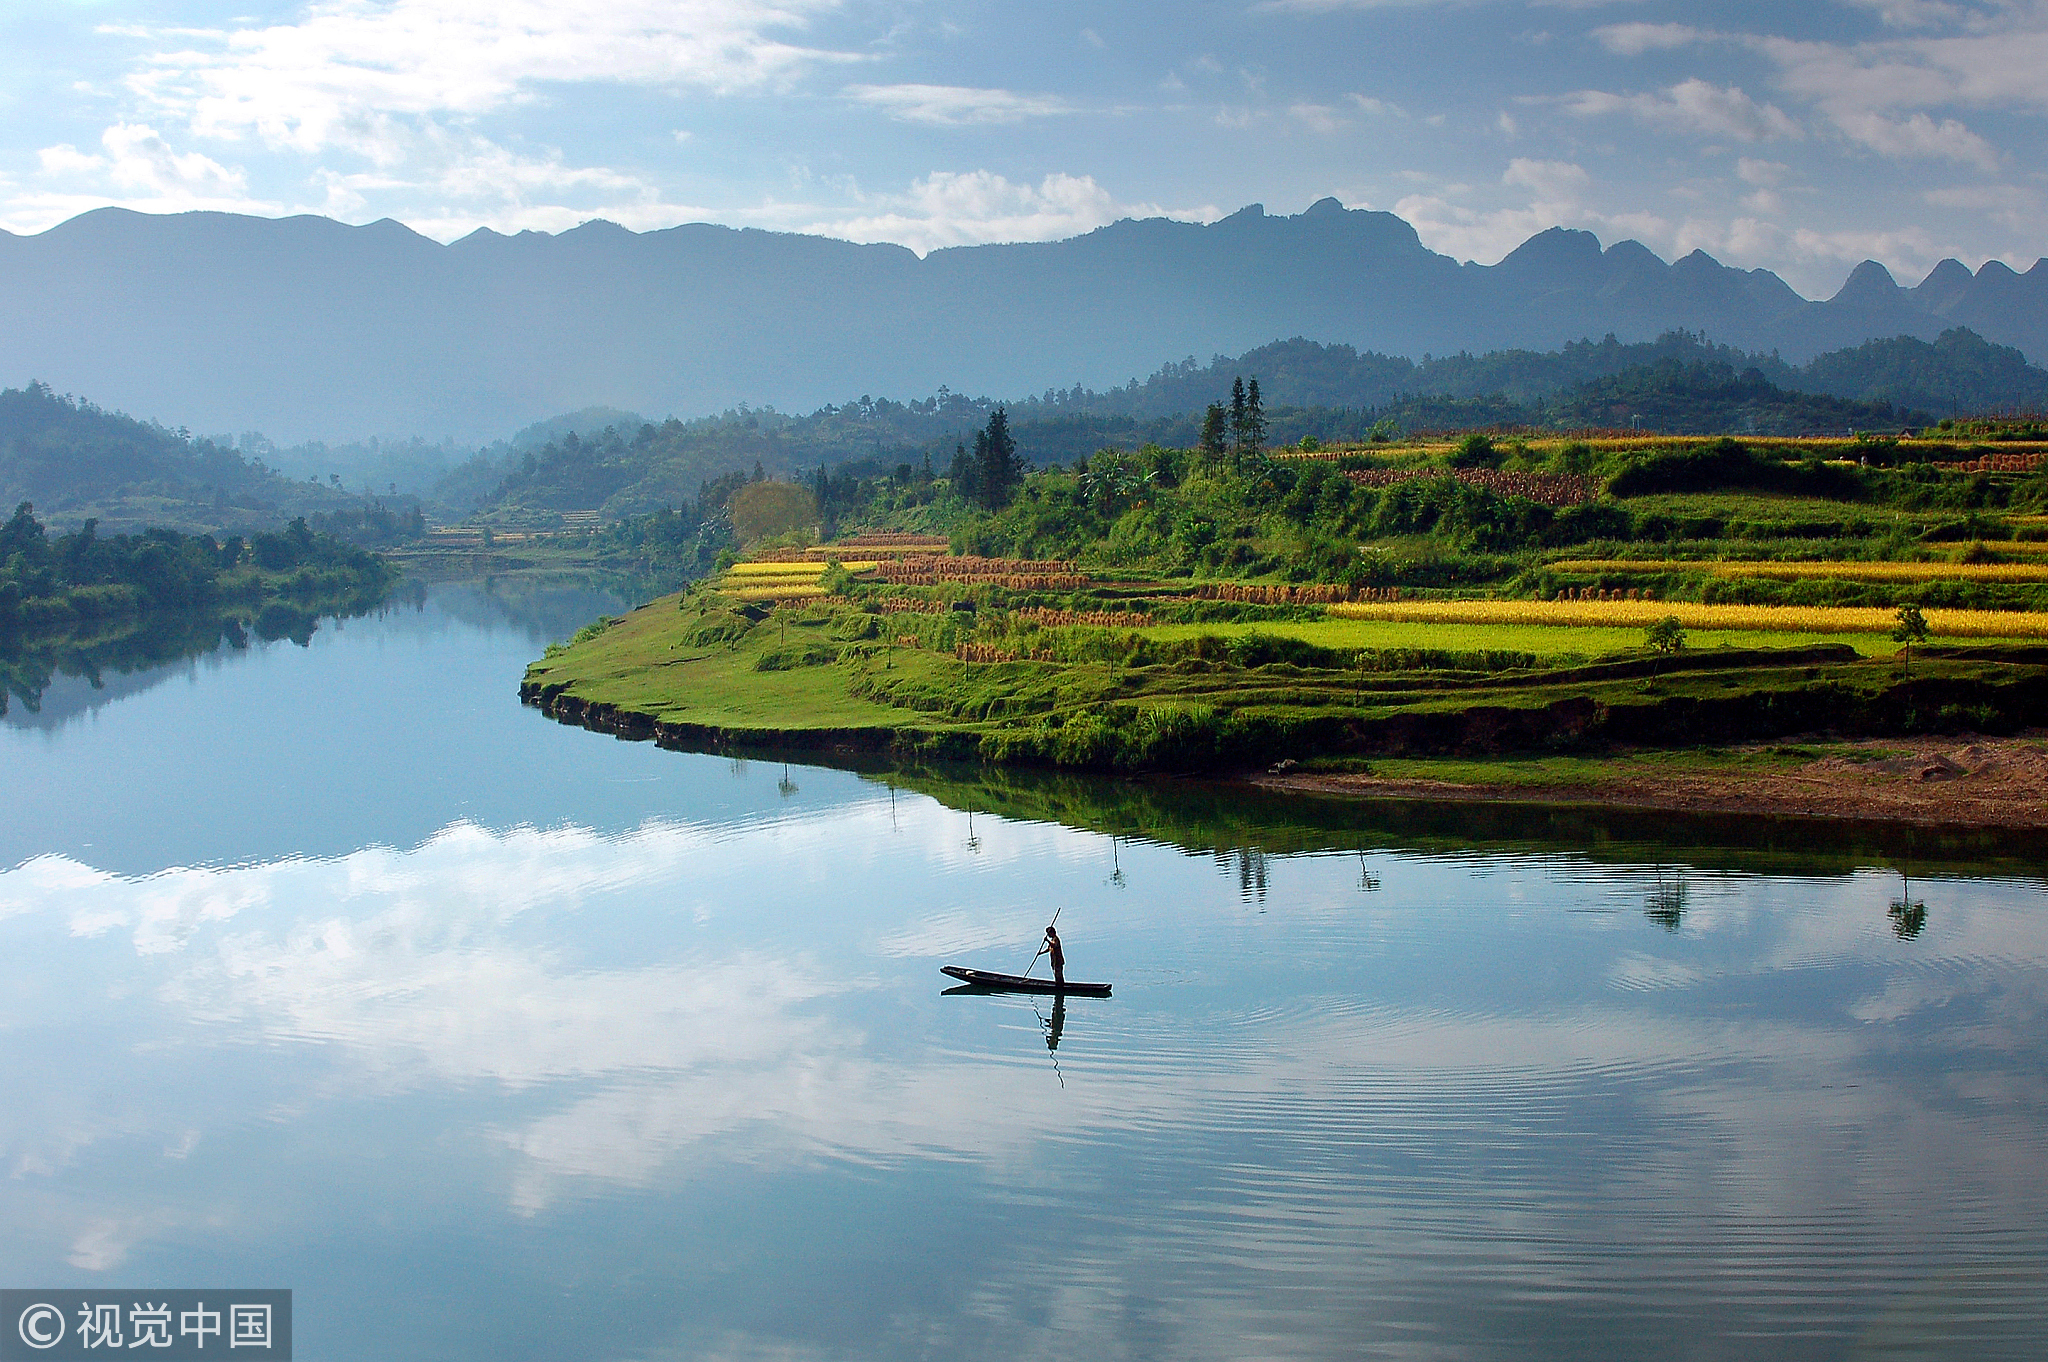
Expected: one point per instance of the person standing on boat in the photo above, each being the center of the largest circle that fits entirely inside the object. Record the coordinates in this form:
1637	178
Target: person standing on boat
1059	958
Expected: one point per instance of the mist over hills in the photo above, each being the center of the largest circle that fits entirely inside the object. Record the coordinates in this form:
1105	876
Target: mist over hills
306	328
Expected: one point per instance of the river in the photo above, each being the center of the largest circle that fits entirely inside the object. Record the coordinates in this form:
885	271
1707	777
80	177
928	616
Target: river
330	967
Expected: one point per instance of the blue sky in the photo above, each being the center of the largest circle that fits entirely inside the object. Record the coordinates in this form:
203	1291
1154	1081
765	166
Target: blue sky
1800	137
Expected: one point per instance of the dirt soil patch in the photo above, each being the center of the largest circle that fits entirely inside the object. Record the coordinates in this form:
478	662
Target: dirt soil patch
1963	781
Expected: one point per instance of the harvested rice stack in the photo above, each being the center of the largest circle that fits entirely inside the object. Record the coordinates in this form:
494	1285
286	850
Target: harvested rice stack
1550	489
983	652
881	546
1251	593
1588	593
1014	583
930	542
968	567
906	605
1016	574
1996	463
1104	619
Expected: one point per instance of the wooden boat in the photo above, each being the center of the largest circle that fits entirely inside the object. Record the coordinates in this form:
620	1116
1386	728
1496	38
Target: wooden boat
1018	983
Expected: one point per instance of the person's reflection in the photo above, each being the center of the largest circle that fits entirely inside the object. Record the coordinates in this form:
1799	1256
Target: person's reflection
1058	1023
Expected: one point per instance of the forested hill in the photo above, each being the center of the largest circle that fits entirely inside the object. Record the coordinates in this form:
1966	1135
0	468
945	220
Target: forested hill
76	462
1679	383
1958	372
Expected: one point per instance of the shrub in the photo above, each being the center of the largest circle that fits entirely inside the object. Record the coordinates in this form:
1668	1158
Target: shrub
1476	451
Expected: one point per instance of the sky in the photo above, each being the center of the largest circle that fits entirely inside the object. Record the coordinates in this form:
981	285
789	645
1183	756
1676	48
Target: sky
1803	138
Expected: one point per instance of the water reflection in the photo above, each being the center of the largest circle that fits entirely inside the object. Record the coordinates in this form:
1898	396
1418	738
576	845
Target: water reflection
47	681
1311	1097
1665	905
1908	915
635	1028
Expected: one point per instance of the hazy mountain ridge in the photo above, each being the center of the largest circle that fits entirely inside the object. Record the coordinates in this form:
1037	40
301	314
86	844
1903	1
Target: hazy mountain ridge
1958	369
305	327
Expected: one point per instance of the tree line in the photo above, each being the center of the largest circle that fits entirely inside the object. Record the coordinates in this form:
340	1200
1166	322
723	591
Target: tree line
51	579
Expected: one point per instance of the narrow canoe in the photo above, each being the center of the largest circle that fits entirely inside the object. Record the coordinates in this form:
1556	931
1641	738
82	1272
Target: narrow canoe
1017	983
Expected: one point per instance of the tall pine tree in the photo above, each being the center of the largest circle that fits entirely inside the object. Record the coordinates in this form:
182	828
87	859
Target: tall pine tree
1237	416
962	473
1254	419
997	467
1214	431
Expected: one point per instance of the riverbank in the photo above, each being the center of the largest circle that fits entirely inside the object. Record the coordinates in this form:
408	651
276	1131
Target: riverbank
1964	780
828	678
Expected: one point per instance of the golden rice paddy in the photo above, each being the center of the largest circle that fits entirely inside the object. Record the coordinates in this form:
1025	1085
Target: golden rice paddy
799	572
1794	571
791	591
1791	619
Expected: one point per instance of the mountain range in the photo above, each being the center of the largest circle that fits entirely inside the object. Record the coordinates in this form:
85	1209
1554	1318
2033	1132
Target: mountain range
308	328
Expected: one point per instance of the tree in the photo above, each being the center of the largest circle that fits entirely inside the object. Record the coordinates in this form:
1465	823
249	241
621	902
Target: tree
1254	418
1666	637
1237	416
961	473
997	467
1214	426
1911	629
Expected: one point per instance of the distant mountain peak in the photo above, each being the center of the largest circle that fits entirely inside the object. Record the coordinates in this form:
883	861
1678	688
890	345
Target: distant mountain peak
308	328
1868	282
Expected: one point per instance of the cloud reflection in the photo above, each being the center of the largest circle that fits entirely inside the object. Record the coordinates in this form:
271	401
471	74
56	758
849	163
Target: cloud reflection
1458	1060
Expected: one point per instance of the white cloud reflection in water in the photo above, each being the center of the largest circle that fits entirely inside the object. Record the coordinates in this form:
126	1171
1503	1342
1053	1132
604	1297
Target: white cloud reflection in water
1489	1076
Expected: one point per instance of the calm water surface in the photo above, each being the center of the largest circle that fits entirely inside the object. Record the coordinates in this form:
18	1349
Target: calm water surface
331	967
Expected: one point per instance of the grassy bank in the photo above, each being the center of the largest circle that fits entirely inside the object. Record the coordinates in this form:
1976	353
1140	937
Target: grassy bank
1229	608
705	670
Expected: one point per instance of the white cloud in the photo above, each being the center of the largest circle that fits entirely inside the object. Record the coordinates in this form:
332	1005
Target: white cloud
1376	108
2001	70
1557	191
954	105
1322	118
1918	138
947	209
134	168
1912	13
137	160
2018	208
1333	6
1692	106
333	76
1555	181
1632	40
404	84
1763	174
